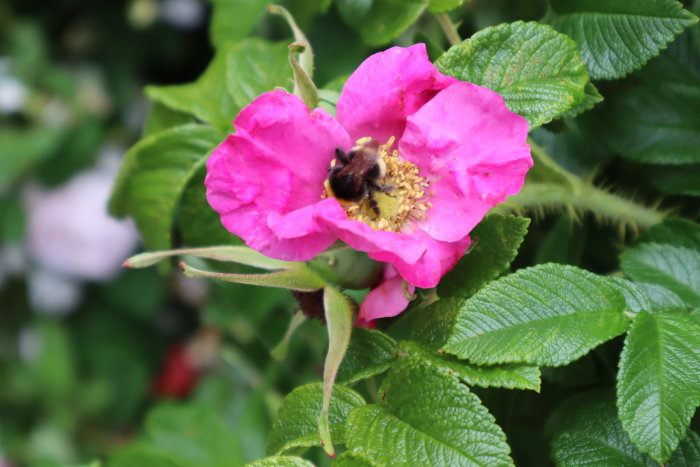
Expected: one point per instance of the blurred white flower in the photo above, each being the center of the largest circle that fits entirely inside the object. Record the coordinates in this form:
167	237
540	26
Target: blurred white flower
53	294
183	14
13	94
69	230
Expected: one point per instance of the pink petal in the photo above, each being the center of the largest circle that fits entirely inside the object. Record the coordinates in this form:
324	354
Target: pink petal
385	89
437	260
473	151
386	300
420	259
275	165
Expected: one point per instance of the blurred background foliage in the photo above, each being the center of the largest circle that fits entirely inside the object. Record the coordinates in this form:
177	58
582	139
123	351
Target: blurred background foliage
99	360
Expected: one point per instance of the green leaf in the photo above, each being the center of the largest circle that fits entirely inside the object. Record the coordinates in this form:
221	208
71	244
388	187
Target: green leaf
677	179
192	435
139	456
688	452
233	254
656	124
161	118
154	173
281	461
233	20
635	295
206	98
658	385
511	376
13	226
22	150
593	436
339	315
433	325
256	66
497	239
679	65
618	36
297	420
197	222
426	417
370	353
353	459
441	6
537	70
53	365
298	278
661	298
545	315
380	21
674	231
591	97
673	267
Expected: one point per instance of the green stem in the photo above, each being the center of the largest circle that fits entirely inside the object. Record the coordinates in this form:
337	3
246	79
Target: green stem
448	28
542	196
550	187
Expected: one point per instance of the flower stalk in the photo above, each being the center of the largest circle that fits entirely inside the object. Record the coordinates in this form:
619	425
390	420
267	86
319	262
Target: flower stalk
448	28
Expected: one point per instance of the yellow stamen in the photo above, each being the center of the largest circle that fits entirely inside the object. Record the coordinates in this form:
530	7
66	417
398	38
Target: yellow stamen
406	201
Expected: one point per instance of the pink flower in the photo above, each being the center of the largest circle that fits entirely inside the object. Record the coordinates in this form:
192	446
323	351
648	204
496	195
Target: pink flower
452	149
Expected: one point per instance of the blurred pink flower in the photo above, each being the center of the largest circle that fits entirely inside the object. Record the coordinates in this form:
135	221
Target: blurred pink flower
452	150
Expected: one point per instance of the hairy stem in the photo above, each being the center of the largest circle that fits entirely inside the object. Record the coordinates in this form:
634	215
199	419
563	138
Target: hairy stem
543	196
550	187
449	28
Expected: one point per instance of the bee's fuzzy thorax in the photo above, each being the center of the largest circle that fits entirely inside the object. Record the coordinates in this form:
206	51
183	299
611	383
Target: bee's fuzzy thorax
407	200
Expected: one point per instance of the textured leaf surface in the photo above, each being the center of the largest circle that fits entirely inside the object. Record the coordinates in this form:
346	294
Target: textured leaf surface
353	459
154	173
657	124
545	315
512	376
255	66
688	452
427	417
497	240
659	381
636	296
673	267
379	21
592	436
538	71
619	36
370	353
297	420
281	461
591	97
678	232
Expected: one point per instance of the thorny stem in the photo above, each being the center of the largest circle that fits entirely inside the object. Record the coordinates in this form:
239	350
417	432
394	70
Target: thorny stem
448	28
566	191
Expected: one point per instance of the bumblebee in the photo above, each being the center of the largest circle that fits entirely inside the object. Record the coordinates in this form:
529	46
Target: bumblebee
358	173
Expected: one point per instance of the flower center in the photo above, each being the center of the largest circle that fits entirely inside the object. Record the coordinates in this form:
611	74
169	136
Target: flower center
392	199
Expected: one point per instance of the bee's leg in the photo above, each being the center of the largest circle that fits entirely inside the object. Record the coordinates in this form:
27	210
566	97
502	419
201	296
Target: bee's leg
373	204
386	189
341	156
